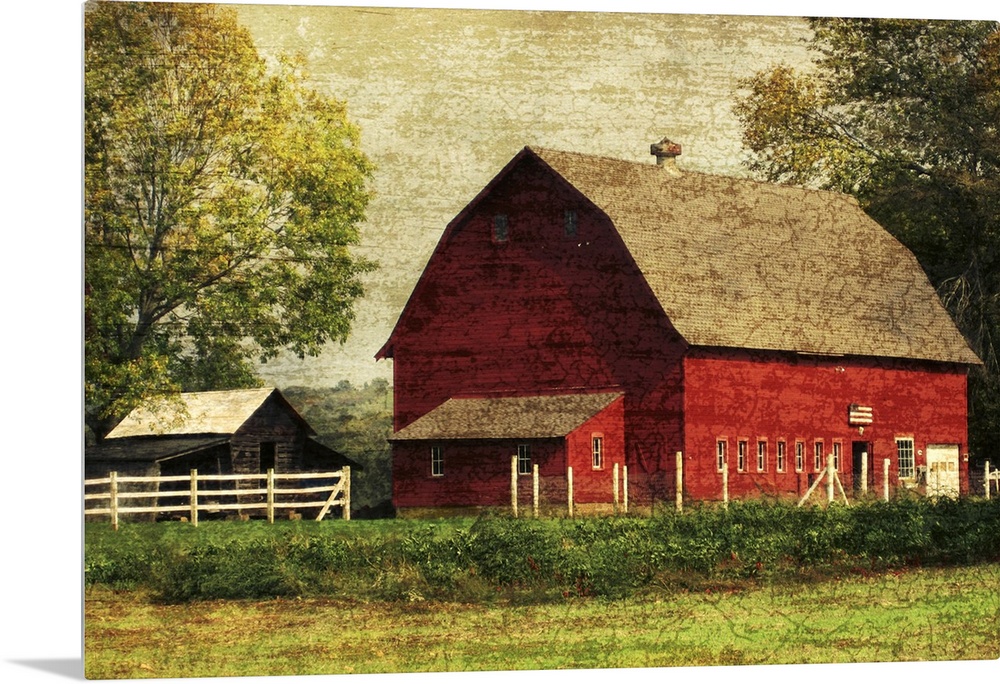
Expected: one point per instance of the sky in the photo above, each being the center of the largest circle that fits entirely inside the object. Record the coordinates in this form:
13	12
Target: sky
40	278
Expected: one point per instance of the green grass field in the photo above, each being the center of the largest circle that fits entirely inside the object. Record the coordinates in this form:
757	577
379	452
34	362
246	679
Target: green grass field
918	614
759	583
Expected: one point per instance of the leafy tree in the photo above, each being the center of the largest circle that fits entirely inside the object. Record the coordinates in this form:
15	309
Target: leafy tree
221	200
905	115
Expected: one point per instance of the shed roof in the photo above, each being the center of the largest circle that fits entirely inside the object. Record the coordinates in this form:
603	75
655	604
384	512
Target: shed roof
738	263
534	417
199	413
151	449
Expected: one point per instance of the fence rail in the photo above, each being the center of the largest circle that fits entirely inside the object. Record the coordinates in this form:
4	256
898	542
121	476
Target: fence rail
211	500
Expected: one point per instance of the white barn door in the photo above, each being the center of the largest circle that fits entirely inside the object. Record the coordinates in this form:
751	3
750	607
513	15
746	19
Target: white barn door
942	470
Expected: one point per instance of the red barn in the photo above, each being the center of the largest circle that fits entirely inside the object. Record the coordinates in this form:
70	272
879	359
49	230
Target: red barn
582	304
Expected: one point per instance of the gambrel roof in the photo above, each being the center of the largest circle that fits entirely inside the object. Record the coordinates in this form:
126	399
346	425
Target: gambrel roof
533	417
200	413
739	263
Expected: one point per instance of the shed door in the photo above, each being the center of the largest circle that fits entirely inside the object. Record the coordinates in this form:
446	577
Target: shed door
942	470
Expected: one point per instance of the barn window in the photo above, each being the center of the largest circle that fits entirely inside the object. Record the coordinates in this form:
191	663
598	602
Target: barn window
597	442
437	461
800	456
741	455
904	456
501	230
721	457
524	459
781	456
569	222
818	455
761	456
837	446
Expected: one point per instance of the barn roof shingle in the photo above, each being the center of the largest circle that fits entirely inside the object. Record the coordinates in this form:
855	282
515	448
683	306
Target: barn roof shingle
197	413
533	417
739	263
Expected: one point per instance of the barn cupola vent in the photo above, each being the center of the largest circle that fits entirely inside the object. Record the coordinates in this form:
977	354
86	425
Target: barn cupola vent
666	152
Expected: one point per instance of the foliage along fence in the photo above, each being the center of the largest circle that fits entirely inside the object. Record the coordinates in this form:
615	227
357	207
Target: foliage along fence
216	493
498	556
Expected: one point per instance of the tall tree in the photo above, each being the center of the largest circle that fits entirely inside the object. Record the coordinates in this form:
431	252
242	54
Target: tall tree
905	115
222	198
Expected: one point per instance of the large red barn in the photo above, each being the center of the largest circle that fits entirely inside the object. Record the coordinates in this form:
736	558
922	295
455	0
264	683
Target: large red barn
582	304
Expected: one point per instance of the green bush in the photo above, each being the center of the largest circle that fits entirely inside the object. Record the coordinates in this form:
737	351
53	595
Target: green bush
252	569
502	558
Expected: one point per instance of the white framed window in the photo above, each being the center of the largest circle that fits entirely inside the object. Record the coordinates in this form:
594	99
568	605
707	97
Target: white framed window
818	455
437	461
524	459
800	455
721	454
780	455
597	451
837	448
761	456
741	455
904	457
570	222
501	228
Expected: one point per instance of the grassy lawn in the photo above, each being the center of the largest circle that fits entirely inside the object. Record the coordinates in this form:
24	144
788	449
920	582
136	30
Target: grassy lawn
919	614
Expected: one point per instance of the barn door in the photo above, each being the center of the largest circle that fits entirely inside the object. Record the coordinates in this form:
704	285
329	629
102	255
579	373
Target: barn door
942	470
857	462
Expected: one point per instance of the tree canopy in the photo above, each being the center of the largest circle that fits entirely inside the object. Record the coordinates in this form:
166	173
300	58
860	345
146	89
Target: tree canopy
905	115
222	198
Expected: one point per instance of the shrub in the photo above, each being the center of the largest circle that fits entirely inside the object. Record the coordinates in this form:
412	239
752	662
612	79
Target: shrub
502	558
252	569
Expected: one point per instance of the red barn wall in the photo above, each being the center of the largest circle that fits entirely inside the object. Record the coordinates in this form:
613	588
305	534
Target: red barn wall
595	485
771	396
476	473
541	313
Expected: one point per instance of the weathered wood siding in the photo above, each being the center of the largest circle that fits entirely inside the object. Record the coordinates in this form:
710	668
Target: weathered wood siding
770	396
270	423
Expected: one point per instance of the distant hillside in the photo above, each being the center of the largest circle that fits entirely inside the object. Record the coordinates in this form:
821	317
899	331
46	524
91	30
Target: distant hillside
357	422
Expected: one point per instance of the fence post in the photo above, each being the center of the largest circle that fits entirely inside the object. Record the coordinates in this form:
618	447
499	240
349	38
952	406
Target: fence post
679	483
113	493
270	495
864	472
625	487
986	479
534	488
569	490
829	478
614	486
885	479
194	497
725	484
347	492
513	485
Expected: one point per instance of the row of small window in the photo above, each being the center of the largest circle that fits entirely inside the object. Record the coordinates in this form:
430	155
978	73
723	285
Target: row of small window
743	455
523	457
501	225
904	455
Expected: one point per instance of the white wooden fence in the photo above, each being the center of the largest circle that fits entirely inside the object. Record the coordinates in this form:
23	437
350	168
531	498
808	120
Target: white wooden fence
619	490
263	495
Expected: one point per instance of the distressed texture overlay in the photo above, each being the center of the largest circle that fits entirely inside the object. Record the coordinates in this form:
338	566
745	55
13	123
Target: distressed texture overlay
587	322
